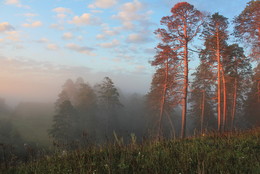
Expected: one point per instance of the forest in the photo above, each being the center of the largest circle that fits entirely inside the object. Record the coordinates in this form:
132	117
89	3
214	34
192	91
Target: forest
185	109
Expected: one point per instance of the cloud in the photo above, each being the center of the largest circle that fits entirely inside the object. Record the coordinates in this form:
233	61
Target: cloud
62	10
103	4
67	36
30	14
52	47
80	49
42	40
100	36
112	44
129	13
17	3
84	19
57	26
132	12
33	24
13	36
138	38
107	31
9	32
5	26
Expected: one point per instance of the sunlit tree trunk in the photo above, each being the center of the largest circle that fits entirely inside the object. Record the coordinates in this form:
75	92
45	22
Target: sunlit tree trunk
185	90
163	98
234	104
202	112
219	81
224	119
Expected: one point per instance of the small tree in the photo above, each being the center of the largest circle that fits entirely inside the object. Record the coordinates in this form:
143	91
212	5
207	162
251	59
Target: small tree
64	128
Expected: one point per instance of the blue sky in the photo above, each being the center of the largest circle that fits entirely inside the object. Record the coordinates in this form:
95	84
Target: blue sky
44	42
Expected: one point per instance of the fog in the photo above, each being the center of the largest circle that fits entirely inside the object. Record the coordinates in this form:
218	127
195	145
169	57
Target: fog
35	81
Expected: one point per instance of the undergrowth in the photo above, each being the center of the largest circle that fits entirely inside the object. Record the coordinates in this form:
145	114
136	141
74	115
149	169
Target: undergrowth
226	153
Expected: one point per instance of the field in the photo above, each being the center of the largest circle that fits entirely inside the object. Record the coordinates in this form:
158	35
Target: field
227	153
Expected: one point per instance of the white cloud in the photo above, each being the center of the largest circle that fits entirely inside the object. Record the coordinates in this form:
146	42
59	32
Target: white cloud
131	12
43	40
84	19
62	10
13	36
33	24
103	4
80	38
100	36
67	36
138	38
5	26
30	14
17	3
57	26
52	47
61	16
12	2
111	32
80	49
112	44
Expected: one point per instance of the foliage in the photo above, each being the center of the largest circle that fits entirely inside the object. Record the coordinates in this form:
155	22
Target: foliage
64	129
253	100
247	27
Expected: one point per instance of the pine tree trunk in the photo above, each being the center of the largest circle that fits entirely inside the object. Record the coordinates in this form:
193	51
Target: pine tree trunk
185	91
219	82
202	112
163	99
234	104
224	102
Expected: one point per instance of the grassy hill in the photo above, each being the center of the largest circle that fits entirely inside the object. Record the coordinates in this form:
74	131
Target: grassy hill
226	153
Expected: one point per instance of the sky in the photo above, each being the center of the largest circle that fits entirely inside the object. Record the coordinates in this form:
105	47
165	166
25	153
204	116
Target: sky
45	42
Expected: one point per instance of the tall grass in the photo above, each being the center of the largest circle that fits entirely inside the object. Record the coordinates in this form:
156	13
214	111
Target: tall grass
227	153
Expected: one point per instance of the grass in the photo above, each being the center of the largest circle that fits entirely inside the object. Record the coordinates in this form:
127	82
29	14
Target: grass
227	153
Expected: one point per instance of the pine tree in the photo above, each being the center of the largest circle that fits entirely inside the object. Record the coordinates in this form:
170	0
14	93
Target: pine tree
215	34
237	72
86	105
247	27
253	101
109	102
181	27
202	95
163	95
64	128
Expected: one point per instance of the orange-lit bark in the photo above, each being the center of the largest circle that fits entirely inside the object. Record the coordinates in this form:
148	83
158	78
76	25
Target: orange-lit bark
224	102
185	92
234	104
202	112
163	98
219	80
